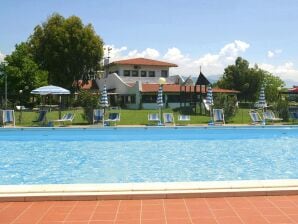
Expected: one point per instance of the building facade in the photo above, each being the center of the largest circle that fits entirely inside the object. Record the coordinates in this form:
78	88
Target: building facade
134	83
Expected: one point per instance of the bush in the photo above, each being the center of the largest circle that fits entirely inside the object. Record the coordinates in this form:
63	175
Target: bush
282	109
88	102
227	103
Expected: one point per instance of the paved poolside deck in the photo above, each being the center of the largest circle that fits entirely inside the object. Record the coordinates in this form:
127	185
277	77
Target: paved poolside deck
229	210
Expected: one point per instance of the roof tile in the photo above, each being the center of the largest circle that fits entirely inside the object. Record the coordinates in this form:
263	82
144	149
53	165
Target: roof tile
143	61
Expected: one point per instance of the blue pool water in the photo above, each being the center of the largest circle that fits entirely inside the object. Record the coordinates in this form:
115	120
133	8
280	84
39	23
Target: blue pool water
122	155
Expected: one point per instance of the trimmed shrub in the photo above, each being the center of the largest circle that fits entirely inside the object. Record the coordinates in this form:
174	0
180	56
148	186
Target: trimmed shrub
88	102
227	103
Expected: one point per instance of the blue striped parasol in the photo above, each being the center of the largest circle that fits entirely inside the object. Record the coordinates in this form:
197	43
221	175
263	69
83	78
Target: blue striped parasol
159	99
262	100
159	102
104	98
209	99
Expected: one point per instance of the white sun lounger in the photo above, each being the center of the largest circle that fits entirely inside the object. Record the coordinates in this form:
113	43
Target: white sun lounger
255	117
218	116
168	118
7	117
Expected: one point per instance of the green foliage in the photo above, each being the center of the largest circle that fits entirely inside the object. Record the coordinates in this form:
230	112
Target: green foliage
227	103
22	73
67	49
242	78
249	81
281	107
89	102
272	85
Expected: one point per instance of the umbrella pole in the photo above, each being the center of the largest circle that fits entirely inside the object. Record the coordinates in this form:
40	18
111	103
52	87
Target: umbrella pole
159	116
211	117
60	107
264	121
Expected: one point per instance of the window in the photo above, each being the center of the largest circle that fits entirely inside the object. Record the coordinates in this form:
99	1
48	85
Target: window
151	73
149	98
143	74
126	73
164	73
117	72
134	73
129	99
173	98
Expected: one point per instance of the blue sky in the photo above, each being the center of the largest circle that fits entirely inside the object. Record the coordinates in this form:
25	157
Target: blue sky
211	33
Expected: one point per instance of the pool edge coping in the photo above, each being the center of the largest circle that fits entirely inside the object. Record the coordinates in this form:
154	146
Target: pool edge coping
127	191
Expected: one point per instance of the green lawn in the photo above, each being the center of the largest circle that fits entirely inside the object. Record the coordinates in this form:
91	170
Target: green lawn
129	117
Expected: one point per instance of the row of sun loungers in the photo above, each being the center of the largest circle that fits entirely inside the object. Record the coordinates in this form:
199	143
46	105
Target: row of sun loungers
8	117
98	117
268	115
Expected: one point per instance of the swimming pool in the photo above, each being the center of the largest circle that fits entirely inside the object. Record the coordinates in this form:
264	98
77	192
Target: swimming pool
125	155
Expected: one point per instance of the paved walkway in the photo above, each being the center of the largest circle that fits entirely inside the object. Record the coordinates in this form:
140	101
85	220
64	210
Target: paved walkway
229	210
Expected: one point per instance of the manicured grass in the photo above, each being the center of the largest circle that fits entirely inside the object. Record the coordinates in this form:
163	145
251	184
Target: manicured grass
128	117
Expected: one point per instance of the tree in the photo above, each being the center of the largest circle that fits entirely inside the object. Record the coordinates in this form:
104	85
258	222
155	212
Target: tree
67	49
272	86
249	81
22	73
242	78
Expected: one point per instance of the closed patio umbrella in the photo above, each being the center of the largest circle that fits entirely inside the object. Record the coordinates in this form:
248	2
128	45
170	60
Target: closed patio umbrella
104	102
262	101
209	100
159	101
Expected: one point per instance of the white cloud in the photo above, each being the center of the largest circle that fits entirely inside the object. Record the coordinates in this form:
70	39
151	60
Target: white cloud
2	56
212	63
113	52
147	53
273	53
286	71
215	63
270	54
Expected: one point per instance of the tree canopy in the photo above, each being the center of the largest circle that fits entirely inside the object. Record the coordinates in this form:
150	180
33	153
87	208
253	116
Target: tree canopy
67	49
22	72
248	80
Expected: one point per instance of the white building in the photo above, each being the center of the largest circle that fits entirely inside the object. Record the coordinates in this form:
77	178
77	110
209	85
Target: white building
134	83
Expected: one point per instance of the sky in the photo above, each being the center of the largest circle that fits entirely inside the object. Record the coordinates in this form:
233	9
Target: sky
190	33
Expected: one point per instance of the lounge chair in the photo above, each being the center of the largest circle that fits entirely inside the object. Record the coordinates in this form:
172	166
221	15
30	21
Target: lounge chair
168	118
270	116
68	117
98	116
218	116
153	117
113	117
7	117
42	118
183	118
255	117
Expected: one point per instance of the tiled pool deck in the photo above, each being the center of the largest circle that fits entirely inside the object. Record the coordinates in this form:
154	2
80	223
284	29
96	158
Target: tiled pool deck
229	210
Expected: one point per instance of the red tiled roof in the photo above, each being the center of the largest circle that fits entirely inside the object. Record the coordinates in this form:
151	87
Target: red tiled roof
293	90
143	61
172	88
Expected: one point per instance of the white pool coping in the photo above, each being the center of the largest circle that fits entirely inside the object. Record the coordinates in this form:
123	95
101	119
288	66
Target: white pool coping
147	190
